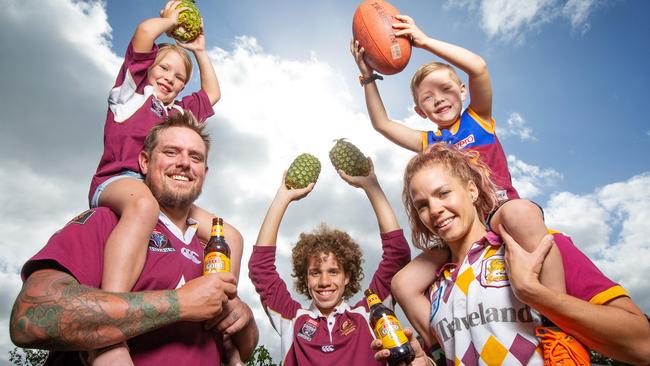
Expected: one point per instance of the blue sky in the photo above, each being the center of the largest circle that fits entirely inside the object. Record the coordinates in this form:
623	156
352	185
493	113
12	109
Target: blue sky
569	82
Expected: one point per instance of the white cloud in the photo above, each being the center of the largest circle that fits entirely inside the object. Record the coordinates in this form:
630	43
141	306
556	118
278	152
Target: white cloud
516	126
529	180
578	11
611	226
511	19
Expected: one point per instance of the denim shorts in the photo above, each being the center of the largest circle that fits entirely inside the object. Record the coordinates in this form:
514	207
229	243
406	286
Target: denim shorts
125	174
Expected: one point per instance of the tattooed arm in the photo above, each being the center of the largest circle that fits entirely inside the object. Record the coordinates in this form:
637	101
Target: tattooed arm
53	311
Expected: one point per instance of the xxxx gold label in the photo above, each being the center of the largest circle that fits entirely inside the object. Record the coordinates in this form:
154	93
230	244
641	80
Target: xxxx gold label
217	230
215	262
390	332
373	299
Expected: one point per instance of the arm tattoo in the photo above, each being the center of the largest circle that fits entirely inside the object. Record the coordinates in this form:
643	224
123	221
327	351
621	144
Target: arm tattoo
59	313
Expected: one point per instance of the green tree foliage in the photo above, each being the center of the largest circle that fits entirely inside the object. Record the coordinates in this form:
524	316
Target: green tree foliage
261	357
27	357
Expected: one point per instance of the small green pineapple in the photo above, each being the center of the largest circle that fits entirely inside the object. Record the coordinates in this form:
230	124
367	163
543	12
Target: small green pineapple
189	23
304	169
347	157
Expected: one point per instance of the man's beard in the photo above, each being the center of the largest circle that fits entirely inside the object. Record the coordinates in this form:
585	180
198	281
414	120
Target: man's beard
176	200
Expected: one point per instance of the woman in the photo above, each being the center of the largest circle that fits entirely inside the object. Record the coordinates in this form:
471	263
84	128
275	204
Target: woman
470	309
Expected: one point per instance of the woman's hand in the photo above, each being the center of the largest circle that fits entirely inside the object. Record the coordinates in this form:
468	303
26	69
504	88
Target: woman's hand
523	267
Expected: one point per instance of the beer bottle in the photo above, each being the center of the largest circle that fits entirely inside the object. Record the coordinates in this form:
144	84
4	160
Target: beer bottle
389	331
217	251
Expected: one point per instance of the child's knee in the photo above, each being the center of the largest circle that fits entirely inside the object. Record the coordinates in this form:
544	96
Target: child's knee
519	210
399	284
143	206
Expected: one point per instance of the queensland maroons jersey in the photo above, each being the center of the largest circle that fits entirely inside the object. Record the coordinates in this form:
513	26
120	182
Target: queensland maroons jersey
476	317
173	258
133	110
307	337
471	132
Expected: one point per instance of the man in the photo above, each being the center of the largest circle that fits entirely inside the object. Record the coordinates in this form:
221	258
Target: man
60	307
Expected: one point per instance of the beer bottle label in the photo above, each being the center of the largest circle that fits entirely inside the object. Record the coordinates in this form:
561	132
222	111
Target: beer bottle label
217	230
372	300
390	332
215	262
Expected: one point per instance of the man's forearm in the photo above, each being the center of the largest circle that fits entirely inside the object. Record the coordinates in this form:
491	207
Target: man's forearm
53	311
246	340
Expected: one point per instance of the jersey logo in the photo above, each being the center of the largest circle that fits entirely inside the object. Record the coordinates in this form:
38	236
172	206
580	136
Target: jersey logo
82	217
191	255
157	107
493	272
347	327
158	242
308	330
328	348
464	142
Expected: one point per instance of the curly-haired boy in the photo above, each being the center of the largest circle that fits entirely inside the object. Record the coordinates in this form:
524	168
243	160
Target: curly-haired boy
327	268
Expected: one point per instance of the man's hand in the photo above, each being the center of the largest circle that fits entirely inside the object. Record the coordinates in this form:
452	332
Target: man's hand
420	357
234	317
204	297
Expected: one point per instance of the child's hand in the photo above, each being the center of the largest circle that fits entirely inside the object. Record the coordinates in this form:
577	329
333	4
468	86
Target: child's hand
408	29
292	194
170	10
197	45
358	53
361	181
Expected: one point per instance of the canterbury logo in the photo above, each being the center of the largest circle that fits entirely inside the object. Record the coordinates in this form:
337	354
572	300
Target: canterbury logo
328	348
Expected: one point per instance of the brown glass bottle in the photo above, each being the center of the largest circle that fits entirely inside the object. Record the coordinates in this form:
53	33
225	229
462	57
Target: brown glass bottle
389	331
217	251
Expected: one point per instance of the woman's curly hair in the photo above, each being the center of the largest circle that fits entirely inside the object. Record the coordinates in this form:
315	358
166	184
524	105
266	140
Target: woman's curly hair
322	241
464	164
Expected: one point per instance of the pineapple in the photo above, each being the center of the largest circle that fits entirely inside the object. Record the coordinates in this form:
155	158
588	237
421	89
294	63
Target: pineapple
189	23
347	157
303	170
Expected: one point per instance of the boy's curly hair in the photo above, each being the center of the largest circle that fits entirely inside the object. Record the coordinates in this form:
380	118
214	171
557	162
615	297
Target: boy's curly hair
322	241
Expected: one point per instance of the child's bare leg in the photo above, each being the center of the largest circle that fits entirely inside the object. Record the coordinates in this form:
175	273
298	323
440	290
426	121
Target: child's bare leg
233	237
524	222
412	280
126	248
